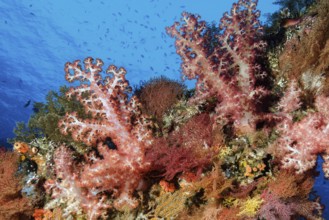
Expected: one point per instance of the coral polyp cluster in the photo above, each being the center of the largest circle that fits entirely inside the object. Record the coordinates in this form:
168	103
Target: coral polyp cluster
242	145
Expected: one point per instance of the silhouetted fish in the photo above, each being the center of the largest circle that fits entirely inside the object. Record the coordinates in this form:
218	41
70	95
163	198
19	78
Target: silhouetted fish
27	103
290	22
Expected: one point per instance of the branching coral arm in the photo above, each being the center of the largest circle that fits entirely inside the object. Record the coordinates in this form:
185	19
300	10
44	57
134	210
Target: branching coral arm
110	116
190	46
241	41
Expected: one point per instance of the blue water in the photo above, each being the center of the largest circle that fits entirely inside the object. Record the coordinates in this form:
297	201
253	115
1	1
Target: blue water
321	187
39	37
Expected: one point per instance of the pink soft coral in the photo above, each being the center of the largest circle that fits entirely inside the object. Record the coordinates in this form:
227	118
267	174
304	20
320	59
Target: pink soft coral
302	141
66	191
112	117
274	208
227	71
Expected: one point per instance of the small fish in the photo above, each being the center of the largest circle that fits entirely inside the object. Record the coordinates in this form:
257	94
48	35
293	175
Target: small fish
27	103
289	22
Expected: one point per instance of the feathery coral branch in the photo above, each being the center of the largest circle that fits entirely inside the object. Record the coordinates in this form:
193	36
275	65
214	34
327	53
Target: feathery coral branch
113	117
302	141
227	71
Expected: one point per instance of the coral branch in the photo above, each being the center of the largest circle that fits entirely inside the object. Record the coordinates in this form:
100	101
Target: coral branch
105	100
114	117
302	141
227	71
66	191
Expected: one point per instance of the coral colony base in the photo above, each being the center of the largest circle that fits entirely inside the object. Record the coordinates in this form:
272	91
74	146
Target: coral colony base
242	145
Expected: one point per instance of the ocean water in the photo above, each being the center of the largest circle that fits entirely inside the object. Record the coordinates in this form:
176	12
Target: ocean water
321	188
38	38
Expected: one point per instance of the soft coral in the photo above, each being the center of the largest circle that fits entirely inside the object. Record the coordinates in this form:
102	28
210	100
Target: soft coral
228	71
184	150
114	117
302	141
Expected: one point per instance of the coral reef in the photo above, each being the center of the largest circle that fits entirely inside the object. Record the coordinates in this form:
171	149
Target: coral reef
13	205
243	145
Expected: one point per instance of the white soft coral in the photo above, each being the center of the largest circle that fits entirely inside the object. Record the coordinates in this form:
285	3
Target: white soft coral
302	141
